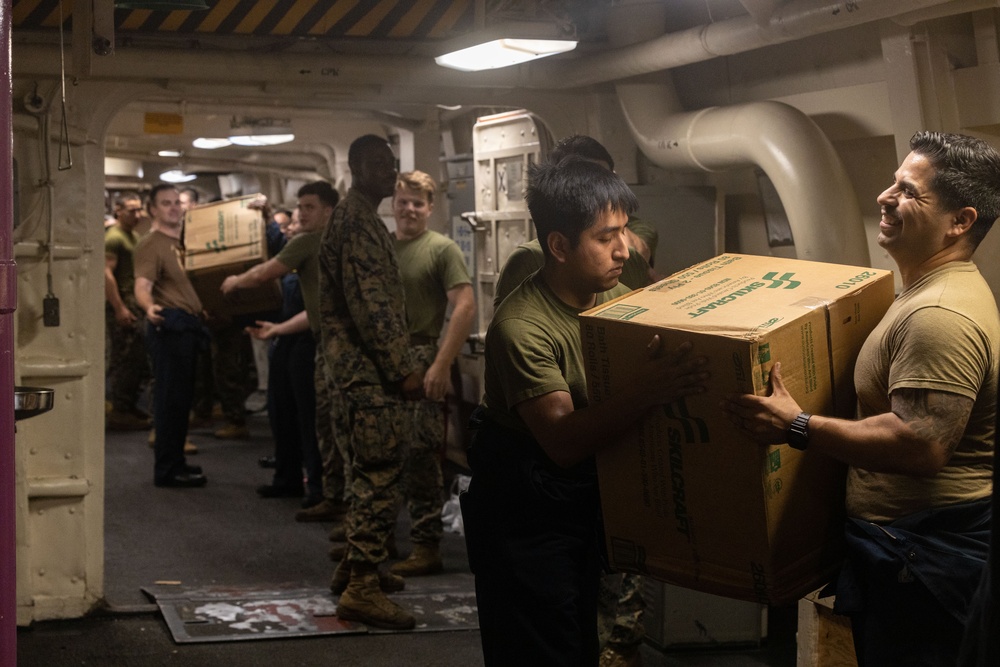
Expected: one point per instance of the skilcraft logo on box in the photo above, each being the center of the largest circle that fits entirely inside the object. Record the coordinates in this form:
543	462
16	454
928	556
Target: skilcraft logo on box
784	282
774	281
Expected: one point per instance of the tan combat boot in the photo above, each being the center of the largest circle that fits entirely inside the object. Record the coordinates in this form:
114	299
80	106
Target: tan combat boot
388	582
425	559
364	602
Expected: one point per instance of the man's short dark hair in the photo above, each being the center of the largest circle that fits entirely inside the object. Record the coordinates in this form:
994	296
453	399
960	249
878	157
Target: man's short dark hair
584	146
124	197
568	197
157	189
360	148
321	189
967	173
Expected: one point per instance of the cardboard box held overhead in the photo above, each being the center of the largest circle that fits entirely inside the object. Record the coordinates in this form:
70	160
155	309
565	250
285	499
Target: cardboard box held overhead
686	497
223	233
222	239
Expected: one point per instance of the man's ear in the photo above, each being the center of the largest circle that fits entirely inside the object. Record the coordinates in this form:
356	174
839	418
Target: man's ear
559	246
964	218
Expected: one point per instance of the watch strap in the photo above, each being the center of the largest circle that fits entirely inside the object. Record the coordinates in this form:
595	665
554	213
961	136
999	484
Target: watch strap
798	432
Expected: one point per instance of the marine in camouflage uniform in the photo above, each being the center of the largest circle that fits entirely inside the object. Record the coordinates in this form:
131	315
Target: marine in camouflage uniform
129	363
366	347
620	610
434	276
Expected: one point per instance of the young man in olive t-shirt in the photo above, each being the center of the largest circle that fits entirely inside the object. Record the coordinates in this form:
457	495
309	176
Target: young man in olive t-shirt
531	512
292	410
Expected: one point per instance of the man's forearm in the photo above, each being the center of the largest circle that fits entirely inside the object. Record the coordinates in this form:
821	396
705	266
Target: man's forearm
111	294
455	336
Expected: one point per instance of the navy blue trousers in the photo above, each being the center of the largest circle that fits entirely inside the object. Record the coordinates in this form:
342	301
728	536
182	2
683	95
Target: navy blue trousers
174	352
292	413
532	537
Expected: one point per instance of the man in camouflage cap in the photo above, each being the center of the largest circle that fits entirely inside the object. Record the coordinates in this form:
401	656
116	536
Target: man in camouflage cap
366	347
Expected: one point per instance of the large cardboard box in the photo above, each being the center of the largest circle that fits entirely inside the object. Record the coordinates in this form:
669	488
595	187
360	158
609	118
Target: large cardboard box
224	233
687	498
258	300
222	239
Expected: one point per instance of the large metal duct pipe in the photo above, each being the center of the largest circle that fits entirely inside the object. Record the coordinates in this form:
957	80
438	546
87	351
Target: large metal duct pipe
786	144
814	188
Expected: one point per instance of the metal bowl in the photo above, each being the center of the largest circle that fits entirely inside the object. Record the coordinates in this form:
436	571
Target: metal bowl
31	401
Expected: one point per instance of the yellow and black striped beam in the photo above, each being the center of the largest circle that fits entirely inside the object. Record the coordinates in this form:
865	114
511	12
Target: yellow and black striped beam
379	19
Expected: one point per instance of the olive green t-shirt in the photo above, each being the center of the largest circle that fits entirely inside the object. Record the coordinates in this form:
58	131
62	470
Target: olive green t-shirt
301	254
942	333
533	348
430	264
121	245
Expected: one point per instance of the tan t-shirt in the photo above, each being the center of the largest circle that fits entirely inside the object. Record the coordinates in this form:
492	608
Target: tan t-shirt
941	334
159	259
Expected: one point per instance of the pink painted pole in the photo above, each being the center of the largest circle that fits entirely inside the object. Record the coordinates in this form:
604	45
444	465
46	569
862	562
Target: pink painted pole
8	302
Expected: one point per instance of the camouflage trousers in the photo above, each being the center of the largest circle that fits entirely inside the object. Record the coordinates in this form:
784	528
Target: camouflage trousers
423	483
128	363
620	609
380	426
333	435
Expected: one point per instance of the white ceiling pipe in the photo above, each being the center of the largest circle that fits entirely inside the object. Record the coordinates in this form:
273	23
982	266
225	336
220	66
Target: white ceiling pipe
760	10
796	20
284	69
786	144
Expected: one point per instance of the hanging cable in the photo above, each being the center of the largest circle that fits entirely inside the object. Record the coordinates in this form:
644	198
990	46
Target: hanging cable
63	123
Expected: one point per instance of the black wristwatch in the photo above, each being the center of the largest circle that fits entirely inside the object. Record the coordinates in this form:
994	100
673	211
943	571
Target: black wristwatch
798	433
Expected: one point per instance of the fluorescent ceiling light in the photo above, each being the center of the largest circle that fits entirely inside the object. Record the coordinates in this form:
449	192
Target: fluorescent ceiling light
503	52
176	176
248	131
169	153
261	139
211	144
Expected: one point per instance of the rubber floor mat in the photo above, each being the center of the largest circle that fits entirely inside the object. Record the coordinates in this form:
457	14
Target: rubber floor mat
221	614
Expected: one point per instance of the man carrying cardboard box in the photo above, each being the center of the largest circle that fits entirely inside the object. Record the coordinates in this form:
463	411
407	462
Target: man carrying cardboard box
920	450
531	512
294	413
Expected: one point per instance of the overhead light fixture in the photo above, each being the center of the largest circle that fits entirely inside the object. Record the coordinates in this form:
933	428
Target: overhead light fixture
507	44
162	5
176	176
210	143
169	153
246	131
261	139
